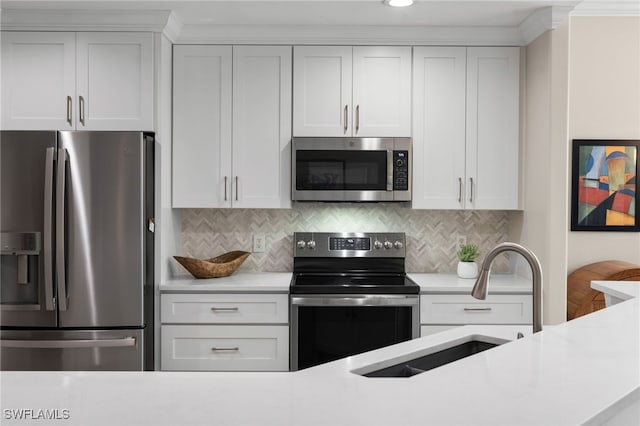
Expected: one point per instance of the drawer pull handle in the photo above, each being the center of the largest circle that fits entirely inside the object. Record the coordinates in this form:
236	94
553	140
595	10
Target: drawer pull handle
236	349
477	309
225	309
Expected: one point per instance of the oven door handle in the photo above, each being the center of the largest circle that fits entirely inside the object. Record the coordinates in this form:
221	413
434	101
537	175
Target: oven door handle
364	300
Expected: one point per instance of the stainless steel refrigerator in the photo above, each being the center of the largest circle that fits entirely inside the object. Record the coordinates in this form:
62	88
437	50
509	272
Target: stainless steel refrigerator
76	222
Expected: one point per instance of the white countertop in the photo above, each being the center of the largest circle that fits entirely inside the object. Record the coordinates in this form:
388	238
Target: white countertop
450	283
259	282
566	374
618	289
278	282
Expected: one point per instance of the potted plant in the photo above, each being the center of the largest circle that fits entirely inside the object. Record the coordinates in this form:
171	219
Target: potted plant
467	267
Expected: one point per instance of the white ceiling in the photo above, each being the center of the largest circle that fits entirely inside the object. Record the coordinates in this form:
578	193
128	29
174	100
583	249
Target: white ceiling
433	13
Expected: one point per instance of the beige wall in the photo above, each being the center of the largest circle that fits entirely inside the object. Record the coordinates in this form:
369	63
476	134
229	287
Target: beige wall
582	81
604	102
544	222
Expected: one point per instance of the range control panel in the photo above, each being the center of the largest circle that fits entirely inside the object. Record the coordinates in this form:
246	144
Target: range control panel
349	244
342	243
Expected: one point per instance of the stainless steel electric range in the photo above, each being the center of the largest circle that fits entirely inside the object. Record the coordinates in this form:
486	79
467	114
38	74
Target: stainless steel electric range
349	294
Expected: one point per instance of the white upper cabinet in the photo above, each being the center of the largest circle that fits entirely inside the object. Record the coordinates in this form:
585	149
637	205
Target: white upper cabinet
493	87
261	156
322	90
202	77
439	108
352	91
232	126
83	81
466	121
115	81
381	91
38	81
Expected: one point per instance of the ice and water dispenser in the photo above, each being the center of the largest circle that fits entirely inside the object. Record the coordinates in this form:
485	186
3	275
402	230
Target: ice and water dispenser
20	254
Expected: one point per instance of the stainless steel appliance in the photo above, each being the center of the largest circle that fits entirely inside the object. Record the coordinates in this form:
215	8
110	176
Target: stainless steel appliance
351	169
76	278
349	294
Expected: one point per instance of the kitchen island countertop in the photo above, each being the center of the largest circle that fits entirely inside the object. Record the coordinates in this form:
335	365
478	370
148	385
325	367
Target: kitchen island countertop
567	374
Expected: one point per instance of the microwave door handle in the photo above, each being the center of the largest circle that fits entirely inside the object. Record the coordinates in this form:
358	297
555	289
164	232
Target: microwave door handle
48	229
389	170
60	231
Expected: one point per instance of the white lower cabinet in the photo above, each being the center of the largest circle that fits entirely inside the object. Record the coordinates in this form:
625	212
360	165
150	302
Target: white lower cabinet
224	332
225	347
439	312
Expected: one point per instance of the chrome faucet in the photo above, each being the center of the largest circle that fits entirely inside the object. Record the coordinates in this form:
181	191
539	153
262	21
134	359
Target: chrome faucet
480	288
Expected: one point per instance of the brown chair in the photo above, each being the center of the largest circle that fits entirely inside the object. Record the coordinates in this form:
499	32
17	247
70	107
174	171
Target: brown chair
581	298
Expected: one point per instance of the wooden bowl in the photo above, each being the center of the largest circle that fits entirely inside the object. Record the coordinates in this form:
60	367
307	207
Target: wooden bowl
221	266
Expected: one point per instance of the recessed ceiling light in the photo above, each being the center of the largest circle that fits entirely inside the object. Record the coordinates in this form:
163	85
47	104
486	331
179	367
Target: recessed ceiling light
398	3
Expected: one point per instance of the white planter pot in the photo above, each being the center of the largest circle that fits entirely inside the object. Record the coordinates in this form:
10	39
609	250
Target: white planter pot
467	269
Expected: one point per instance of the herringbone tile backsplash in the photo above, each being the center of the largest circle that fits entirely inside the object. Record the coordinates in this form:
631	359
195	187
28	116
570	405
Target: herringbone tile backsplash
431	234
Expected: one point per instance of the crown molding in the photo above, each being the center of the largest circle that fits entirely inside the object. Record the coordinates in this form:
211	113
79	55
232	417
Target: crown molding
173	28
543	20
165	21
84	20
607	8
349	35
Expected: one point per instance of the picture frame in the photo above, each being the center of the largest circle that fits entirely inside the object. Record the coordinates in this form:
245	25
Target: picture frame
604	194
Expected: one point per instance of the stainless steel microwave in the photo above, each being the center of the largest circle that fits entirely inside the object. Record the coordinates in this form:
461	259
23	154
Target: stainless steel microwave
351	169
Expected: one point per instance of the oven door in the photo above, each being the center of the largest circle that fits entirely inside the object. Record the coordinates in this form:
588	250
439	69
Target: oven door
329	327
342	169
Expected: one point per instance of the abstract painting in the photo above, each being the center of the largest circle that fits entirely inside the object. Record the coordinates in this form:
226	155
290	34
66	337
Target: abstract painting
604	196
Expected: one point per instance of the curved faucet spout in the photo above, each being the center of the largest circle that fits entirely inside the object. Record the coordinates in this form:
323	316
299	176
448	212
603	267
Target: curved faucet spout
480	288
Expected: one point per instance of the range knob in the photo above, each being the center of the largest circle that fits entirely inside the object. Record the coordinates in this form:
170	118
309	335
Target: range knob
301	244
311	244
397	245
388	244
377	244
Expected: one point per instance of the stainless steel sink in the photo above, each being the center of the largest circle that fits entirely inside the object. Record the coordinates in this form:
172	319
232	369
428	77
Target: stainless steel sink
434	357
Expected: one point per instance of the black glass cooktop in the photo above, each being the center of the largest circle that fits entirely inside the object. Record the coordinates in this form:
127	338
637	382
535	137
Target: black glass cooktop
310	283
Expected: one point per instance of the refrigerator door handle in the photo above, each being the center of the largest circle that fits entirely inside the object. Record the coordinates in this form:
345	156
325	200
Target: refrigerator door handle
75	343
60	231
50	301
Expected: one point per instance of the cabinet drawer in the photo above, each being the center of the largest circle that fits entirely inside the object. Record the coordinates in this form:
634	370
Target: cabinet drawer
464	309
225	347
225	308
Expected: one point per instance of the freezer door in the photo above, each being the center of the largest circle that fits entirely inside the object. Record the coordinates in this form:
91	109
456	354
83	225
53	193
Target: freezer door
26	221
116	350
100	229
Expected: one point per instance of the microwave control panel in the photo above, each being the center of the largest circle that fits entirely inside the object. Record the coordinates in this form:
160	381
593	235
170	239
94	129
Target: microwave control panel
400	170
